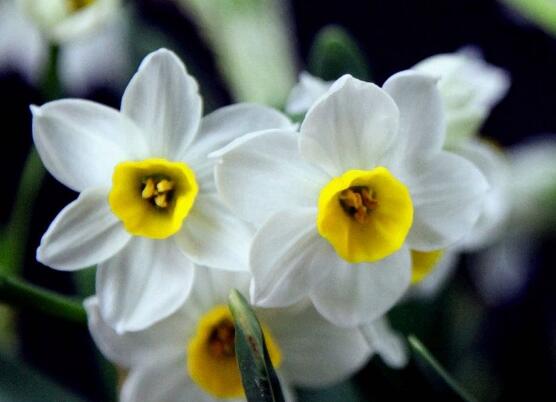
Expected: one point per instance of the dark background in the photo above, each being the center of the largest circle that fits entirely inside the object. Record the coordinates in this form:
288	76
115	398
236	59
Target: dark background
511	347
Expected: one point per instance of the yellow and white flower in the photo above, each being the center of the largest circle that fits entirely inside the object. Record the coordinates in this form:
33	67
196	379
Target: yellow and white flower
98	57
340	205
63	20
146	190
190	356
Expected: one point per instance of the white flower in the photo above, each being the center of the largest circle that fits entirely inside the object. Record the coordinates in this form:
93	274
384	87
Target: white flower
63	20
96	58
146	190
190	355
501	271
305	93
470	88
339	205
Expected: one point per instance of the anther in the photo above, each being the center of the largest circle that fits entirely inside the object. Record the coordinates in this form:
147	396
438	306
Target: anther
149	189
157	191
358	202
222	339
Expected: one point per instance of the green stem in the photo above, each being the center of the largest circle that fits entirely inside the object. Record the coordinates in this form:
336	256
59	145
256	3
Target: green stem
17	231
420	350
51	88
21	294
541	12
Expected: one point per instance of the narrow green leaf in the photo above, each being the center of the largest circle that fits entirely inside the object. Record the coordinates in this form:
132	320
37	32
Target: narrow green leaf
541	12
257	374
13	239
20	294
425	355
334	53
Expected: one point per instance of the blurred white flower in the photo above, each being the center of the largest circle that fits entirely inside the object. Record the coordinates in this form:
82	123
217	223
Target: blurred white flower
147	190
305	93
65	20
190	356
97	57
339	205
470	88
501	271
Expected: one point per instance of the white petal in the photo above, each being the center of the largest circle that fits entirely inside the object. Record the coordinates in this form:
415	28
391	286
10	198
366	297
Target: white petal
315	352
96	60
133	348
448	194
389	345
222	127
469	86
145	282
263	173
422	126
84	233
306	92
354	294
351	127
16	29
163	379
287	256
80	141
163	99
437	280
212	236
496	207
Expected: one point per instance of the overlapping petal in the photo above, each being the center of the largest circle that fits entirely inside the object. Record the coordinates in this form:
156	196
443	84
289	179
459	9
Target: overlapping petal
352	127
422	126
133	348
163	99
145	282
354	294
301	332
213	237
447	193
221	127
84	233
287	255
261	174
80	142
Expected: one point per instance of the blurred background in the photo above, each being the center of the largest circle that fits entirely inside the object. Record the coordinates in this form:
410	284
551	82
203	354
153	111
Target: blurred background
501	348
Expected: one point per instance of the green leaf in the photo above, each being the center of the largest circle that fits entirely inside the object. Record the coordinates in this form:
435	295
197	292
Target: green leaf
335	53
20	294
425	355
20	383
257	374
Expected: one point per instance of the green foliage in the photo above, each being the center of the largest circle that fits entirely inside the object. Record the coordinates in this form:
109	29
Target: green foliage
257	374
334	53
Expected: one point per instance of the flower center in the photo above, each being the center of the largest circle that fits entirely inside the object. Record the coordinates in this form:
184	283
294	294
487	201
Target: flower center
76	5
158	190
423	264
365	214
152	197
211	357
358	202
221	342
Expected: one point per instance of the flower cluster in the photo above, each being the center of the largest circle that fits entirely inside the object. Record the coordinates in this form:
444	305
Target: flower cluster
325	225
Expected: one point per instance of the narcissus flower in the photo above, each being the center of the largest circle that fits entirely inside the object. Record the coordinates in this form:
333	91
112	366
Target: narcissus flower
190	356
63	20
146	190
470	88
340	205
